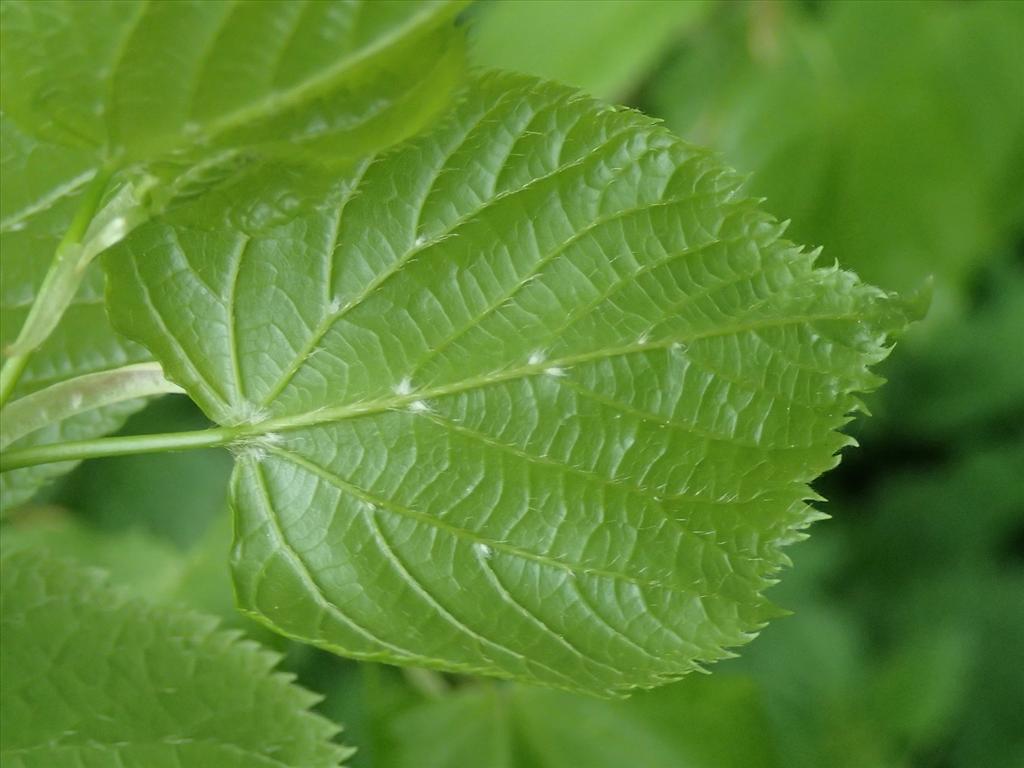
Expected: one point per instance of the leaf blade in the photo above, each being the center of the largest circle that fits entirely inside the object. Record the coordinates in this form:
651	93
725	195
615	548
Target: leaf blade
535	395
125	681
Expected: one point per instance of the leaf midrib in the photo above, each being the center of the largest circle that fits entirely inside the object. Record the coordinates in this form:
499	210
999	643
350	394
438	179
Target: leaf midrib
46	201
326	415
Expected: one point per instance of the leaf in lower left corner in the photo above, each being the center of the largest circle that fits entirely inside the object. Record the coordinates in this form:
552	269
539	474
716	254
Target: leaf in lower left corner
92	677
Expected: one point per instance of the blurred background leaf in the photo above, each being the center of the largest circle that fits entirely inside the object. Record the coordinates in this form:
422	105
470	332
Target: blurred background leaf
174	496
892	133
605	47
512	726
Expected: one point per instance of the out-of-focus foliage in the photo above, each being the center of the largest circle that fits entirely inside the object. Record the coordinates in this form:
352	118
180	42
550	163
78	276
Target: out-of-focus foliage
972	372
891	134
528	728
605	47
107	492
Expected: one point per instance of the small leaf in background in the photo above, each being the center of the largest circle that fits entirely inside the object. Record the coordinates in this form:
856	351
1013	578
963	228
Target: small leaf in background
476	731
147	566
136	560
971	378
547	338
891	133
917	692
366	697
91	677
604	47
698	723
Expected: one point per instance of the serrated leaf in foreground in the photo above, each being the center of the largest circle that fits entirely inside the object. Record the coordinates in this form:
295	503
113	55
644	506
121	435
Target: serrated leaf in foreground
92	678
537	395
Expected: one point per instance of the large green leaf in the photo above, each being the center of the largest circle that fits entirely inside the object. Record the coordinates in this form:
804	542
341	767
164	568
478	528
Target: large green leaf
94	678
167	99
538	395
136	80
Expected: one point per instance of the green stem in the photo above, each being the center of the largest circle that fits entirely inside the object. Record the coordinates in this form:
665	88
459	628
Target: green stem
9	375
117	446
49	303
80	394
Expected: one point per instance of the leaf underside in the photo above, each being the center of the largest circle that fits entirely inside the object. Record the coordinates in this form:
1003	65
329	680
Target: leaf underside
183	95
537	395
92	678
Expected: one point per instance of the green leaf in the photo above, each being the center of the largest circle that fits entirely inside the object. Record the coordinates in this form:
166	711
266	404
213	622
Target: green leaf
135	559
919	690
140	562
703	722
612	45
146	566
94	678
212	76
537	395
113	111
891	133
812	674
68	398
